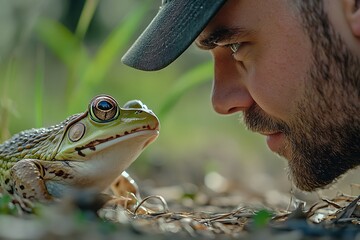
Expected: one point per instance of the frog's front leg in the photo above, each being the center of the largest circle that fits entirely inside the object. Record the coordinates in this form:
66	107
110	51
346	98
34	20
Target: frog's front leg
27	180
123	185
126	193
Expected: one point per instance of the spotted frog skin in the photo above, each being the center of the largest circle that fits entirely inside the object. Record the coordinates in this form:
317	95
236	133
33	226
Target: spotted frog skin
87	151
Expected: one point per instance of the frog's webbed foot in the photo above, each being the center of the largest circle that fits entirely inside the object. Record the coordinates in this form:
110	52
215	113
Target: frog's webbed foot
26	180
126	194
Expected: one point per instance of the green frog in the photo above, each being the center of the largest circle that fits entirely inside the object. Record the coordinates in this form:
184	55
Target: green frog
87	151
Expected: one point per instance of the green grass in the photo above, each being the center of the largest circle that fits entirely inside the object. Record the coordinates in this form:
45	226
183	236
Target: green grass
6	205
85	18
187	82
39	89
7	108
86	72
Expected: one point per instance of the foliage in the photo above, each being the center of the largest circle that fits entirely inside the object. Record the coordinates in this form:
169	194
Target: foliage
262	218
86	72
6	205
185	83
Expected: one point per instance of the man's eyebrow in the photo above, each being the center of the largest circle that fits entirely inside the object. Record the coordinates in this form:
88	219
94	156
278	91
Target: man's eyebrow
220	35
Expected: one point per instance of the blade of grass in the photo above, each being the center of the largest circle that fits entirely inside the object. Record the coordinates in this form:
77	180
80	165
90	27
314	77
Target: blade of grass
113	45
6	105
39	88
185	83
62	42
107	54
67	47
262	218
85	75
85	18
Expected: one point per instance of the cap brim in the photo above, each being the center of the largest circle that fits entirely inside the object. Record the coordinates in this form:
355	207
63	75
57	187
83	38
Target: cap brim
170	33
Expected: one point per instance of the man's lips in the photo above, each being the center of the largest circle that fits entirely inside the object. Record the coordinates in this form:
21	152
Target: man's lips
274	140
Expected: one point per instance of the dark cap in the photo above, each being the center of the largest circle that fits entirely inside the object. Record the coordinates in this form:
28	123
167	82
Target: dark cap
170	33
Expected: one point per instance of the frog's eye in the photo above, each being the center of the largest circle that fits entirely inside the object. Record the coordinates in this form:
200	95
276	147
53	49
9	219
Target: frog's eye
135	104
103	108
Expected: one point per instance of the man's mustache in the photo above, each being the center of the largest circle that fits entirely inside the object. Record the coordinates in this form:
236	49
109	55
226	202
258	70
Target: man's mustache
257	120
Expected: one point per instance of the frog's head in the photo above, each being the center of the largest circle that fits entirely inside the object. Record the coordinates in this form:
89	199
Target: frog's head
107	138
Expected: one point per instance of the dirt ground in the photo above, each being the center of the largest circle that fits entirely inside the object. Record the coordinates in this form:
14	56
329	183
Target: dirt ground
204	216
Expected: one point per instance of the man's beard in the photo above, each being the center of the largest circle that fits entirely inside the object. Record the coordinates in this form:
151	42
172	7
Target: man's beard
322	139
323	136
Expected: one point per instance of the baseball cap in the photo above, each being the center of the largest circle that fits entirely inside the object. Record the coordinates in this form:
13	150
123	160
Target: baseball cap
170	33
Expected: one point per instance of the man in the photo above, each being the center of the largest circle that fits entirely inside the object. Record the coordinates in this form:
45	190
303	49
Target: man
292	67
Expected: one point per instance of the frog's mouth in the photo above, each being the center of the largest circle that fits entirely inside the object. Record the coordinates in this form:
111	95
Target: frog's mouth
101	144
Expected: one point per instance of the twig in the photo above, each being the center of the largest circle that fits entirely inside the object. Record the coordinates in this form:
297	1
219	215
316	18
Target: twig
162	200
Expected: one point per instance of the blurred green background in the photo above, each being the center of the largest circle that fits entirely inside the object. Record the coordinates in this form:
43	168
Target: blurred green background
56	55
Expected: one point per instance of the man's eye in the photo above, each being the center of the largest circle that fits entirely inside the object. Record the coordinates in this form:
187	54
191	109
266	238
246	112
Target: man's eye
237	52
234	47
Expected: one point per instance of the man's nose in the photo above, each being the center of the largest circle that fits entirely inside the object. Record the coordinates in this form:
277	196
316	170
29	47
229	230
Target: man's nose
229	94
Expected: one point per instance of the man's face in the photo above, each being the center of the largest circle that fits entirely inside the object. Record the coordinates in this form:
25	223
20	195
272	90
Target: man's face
289	83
